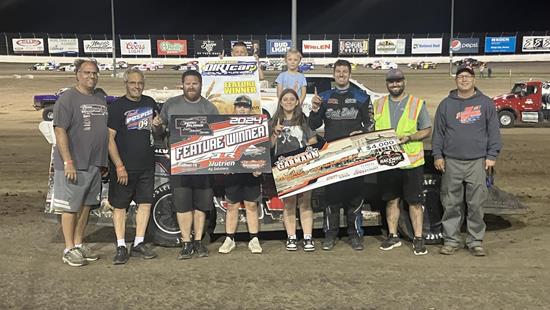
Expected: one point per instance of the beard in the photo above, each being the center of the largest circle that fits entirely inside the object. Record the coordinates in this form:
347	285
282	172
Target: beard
192	96
396	92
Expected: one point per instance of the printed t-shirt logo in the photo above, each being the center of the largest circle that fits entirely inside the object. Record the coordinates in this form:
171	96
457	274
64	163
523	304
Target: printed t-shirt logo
138	119
470	114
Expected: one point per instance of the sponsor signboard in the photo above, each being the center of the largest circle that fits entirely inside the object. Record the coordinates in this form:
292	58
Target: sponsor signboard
172	47
28	45
277	47
322	164
98	46
465	46
353	47
389	46
63	46
536	44
317	46
218	144
226	79
426	46
205	48
135	47
253	47
500	44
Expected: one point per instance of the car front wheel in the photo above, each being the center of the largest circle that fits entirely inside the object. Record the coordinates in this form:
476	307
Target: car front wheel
506	119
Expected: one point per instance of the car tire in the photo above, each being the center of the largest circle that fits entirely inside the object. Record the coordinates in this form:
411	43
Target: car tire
506	119
47	114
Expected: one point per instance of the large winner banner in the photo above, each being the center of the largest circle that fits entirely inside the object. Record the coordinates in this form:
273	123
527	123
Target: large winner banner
226	79
323	164
214	144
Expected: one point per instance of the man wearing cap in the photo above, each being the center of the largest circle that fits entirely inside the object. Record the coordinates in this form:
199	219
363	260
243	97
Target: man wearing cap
409	117
465	143
242	188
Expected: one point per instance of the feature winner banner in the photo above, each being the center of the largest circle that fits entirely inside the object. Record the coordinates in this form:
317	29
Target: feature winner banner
323	164
214	144
172	47
67	46
536	44
353	47
226	79
135	47
389	46
427	46
317	46
28	45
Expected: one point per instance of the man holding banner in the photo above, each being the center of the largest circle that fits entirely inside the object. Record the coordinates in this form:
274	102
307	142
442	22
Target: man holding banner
191	194
409	117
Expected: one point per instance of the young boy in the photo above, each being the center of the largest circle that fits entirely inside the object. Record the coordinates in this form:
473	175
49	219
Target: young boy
242	188
292	78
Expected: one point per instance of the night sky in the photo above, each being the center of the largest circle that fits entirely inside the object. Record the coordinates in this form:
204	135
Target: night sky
272	17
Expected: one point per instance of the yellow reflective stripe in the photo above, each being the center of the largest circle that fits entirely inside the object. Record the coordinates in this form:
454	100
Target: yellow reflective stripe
413	158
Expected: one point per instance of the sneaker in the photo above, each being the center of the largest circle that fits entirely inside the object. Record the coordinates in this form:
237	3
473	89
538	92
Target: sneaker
477	251
227	246
418	246
74	258
356	243
143	251
391	242
291	244
186	250
254	246
329	243
121	256
87	253
309	245
200	249
448	250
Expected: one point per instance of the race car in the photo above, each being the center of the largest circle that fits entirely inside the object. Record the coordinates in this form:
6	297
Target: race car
422	65
305	66
105	67
44	66
67	68
190	65
471	62
383	65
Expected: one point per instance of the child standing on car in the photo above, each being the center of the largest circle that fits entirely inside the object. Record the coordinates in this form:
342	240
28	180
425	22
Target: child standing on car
291	132
242	188
292	78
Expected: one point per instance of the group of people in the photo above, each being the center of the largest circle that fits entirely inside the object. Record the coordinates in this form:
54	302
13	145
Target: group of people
465	142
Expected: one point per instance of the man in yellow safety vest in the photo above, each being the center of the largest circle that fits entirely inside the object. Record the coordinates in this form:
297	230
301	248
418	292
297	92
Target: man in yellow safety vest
409	117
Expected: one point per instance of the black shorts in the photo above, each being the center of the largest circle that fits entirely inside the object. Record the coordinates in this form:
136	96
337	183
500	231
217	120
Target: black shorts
139	189
242	187
192	192
403	183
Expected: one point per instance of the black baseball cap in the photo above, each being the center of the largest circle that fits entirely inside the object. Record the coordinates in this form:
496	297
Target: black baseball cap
244	101
395	75
465	68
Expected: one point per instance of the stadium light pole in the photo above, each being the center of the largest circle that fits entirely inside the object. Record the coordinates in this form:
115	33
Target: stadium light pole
451	38
113	29
293	31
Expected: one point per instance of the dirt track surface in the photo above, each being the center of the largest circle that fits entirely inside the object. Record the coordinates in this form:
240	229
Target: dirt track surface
515	274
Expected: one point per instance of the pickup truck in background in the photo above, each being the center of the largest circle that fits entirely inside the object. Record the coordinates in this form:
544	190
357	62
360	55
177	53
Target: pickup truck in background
527	102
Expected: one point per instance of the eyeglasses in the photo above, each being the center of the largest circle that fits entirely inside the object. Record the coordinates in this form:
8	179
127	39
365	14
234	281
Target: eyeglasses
136	83
94	73
464	77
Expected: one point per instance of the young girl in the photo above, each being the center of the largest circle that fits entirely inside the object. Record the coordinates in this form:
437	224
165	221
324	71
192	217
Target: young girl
291	132
292	78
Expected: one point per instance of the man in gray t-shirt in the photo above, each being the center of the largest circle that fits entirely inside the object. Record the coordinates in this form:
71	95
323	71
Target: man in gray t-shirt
80	126
192	195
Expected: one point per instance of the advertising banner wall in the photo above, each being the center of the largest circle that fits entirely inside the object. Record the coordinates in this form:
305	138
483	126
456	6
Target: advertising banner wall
353	47
277	47
389	47
317	46
218	144
67	46
172	47
427	46
322	164
98	46
500	44
135	47
253	47
465	46
28	45
536	44
206	48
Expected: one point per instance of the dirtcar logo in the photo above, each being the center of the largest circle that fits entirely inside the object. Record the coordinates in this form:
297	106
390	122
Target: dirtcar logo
239	68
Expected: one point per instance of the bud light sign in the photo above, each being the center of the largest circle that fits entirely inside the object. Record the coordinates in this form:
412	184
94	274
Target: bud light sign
278	47
465	46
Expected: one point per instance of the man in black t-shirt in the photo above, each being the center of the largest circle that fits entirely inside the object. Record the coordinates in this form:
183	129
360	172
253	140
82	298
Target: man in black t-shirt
132	163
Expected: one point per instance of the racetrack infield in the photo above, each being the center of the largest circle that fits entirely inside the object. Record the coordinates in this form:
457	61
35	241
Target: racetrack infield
515	274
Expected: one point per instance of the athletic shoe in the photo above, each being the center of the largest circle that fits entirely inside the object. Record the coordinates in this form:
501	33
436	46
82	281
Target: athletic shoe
143	251
309	245
418	246
87	253
448	250
74	258
391	242
329	243
227	246
477	251
200	249
254	246
121	256
356	243
186	250
291	244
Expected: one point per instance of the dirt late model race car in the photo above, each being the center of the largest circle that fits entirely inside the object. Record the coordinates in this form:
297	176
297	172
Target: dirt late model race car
163	227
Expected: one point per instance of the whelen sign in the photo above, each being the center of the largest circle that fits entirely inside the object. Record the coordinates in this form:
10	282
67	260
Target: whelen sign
317	46
172	47
465	45
28	45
